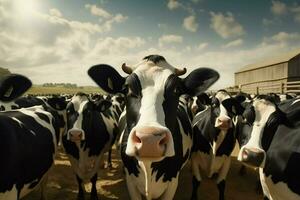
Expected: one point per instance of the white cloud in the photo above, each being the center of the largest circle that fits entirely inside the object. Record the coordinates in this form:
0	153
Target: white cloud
173	4
278	8
226	26
97	11
202	46
190	24
55	12
283	38
169	39
234	43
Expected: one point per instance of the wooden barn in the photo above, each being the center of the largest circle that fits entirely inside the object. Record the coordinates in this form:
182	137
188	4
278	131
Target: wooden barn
279	74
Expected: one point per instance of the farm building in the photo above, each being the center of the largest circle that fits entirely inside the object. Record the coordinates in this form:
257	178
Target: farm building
278	74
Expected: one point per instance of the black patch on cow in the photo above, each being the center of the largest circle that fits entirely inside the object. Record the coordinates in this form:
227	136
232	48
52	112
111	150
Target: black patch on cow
274	120
96	134
2	108
249	114
228	144
26	150
283	158
43	117
154	58
133	101
130	163
133	105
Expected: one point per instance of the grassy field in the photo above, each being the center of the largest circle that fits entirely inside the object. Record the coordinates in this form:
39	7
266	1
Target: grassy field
37	90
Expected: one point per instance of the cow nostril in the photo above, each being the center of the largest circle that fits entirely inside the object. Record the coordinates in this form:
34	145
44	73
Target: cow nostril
136	139
164	140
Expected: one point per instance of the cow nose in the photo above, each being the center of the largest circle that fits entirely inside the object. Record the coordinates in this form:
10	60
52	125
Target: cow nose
253	156
223	122
150	143
76	135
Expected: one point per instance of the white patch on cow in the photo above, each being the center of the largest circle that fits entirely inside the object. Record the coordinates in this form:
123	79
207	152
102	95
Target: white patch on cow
263	109
78	103
206	165
220	139
152	79
87	166
8	105
31	111
276	191
137	185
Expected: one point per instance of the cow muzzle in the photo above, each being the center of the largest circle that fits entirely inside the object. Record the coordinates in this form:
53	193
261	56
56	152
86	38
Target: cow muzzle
76	135
223	123
252	156
150	143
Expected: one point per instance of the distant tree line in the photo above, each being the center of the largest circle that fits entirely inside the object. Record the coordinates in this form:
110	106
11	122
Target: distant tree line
67	85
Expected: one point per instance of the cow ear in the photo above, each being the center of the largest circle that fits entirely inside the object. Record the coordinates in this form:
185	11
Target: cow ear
232	105
240	98
58	103
102	105
107	78
13	86
203	99
200	80
293	118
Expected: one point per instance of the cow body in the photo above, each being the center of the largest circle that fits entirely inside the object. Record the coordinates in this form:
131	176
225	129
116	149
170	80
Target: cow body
29	138
213	142
271	143
90	129
28	141
157	139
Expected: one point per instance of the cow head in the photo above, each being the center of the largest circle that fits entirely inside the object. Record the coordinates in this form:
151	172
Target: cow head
83	116
13	86
152	92
223	108
260	122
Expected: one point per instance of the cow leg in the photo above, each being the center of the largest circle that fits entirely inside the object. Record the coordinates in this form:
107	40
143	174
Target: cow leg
94	195
132	189
196	185
80	195
170	192
196	175
109	165
221	188
43	187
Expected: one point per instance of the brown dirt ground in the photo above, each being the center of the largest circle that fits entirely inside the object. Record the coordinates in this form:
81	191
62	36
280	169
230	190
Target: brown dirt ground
62	184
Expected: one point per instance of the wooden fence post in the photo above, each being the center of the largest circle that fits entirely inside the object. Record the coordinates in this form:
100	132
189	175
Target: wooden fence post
282	87
257	90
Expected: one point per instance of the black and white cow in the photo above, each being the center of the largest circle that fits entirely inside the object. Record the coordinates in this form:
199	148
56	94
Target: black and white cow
90	129
29	138
214	140
157	140
270	141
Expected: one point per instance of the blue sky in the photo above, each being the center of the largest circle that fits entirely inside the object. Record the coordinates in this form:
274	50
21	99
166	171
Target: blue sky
57	41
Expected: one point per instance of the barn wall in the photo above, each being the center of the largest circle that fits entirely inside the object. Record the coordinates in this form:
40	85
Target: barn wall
275	72
294	69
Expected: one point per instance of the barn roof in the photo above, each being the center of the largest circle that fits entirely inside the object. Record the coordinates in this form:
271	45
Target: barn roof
271	61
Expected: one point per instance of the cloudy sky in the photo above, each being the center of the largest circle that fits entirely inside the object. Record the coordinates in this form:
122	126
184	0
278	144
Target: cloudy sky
58	40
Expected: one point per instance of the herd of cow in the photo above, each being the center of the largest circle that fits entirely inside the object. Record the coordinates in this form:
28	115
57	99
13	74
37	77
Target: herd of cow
163	122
